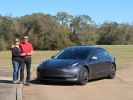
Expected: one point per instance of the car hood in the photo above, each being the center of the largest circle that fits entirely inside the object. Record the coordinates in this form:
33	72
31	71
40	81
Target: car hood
59	63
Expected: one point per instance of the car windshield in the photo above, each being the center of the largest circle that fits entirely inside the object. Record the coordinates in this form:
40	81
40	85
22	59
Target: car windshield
73	53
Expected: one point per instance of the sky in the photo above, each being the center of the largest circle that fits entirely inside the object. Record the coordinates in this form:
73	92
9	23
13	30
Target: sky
99	10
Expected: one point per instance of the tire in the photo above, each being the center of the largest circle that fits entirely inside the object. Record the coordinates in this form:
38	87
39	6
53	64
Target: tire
38	80
113	72
83	76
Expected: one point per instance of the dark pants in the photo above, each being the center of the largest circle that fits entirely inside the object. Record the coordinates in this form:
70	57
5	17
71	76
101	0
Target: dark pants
16	67
27	62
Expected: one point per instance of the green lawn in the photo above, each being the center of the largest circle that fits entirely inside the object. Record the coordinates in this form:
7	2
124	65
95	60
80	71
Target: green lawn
123	54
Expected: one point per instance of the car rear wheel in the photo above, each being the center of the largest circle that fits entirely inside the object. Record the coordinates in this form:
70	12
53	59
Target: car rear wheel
113	72
83	76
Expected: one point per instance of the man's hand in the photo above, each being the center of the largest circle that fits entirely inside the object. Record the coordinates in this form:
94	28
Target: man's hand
23	54
29	54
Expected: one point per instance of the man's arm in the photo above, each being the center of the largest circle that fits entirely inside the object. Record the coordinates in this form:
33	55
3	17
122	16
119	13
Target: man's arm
31	50
22	53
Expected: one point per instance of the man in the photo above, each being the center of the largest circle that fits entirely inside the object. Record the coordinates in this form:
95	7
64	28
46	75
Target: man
26	53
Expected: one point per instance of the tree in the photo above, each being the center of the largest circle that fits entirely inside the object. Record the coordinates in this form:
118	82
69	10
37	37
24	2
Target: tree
49	32
64	18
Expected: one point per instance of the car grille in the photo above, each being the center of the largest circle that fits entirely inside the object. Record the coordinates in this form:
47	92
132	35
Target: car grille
55	74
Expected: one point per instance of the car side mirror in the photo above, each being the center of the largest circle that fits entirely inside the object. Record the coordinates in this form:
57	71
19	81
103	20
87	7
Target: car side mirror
94	58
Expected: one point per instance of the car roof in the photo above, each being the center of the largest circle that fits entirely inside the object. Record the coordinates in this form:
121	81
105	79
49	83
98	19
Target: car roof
86	47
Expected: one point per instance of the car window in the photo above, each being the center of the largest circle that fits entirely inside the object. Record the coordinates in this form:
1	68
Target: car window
77	53
102	54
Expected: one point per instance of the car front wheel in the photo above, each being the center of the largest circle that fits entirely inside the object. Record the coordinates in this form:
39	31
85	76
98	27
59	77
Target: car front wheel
83	76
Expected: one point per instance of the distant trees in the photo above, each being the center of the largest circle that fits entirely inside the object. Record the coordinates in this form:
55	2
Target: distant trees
49	32
64	18
114	33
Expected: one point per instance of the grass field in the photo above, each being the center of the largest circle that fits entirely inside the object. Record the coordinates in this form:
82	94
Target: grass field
123	54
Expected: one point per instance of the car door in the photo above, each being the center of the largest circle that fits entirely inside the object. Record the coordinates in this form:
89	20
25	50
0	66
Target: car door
93	66
98	64
107	64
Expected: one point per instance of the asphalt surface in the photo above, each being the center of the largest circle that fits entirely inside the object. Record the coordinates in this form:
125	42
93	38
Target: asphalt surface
120	88
8	90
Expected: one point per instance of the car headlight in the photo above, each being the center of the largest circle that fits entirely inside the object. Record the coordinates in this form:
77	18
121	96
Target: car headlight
71	69
72	66
75	64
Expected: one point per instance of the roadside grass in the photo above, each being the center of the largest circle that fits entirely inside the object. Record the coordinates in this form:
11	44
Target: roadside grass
123	54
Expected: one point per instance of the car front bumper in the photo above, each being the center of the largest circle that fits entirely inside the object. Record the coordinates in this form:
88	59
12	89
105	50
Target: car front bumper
60	75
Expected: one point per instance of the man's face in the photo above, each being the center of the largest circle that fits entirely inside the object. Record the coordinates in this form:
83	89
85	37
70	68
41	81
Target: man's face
25	40
17	43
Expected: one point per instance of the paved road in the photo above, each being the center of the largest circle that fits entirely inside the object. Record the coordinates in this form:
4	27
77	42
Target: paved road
9	91
120	88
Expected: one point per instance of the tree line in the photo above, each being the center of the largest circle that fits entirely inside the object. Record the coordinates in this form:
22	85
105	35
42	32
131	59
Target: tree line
48	32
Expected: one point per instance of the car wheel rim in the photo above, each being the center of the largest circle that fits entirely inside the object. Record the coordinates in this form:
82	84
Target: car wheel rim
85	76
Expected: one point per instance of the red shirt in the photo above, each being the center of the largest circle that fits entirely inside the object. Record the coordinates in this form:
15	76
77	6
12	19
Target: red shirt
26	47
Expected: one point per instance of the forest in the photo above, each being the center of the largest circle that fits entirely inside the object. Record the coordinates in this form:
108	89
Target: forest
53	32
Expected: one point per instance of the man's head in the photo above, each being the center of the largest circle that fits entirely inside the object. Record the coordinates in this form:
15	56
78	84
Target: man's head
25	39
17	41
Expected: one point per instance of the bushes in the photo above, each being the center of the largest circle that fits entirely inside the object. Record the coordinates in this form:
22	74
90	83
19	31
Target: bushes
48	32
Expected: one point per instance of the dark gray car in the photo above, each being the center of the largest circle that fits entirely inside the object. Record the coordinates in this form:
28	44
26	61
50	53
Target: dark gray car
78	64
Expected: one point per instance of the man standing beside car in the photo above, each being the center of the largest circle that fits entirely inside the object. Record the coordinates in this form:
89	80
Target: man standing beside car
26	53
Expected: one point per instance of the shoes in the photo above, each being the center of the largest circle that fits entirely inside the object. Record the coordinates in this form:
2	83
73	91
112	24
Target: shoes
15	82
24	83
21	82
